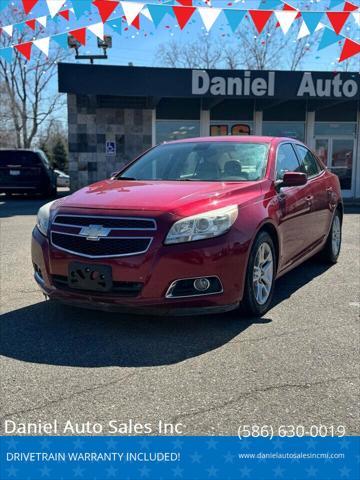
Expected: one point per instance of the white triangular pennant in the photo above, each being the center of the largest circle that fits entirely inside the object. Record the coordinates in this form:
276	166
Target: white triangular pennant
8	29
285	18
146	13
319	27
42	21
356	16
54	6
208	16
97	29
131	10
304	31
43	44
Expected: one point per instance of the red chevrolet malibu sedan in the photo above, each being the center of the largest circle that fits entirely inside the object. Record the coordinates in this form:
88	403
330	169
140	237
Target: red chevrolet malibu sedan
200	225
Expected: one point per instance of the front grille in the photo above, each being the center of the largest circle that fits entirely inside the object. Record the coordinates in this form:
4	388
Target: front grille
104	247
118	236
123	289
122	223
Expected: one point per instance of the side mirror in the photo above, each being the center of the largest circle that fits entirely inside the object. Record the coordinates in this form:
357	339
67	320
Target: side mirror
293	179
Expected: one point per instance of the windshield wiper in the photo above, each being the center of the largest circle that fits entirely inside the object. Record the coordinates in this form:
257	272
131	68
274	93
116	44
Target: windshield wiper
187	180
126	178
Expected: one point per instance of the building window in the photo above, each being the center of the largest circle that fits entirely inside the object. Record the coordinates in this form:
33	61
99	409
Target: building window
167	130
284	129
224	127
333	128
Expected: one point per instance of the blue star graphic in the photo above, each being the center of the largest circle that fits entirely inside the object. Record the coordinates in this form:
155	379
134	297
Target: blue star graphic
212	471
78	443
144	471
12	443
311	471
278	472
178	443
212	443
311	444
277	443
12	471
111	471
344	472
344	444
245	443
144	443
78	472
45	471
229	457
245	472
177	471
111	443
195	457
45	443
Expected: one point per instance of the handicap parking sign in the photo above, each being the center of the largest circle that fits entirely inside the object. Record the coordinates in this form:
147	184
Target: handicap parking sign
110	148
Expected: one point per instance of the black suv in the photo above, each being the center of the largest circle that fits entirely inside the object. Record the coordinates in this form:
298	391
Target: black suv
26	171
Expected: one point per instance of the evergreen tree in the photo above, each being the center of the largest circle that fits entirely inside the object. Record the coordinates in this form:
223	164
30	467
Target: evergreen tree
43	146
59	155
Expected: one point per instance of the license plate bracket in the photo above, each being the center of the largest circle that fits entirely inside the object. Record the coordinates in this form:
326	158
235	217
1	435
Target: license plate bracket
83	276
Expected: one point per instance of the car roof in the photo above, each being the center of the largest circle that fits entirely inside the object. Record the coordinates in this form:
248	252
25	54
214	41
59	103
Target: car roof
235	138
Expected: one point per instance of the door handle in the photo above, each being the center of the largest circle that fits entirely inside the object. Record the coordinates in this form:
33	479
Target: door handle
309	200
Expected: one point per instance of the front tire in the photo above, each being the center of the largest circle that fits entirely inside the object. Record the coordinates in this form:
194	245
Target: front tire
331	251
260	276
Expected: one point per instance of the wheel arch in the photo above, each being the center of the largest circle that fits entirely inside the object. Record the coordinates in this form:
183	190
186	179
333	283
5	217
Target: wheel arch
270	228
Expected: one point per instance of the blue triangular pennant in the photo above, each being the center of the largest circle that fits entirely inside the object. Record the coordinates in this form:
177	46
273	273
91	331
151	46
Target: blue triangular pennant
268	4
234	18
158	12
334	3
329	38
6	54
115	24
61	40
311	20
80	7
19	26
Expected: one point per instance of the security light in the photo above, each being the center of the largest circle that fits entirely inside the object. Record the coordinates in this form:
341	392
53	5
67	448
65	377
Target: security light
73	43
106	43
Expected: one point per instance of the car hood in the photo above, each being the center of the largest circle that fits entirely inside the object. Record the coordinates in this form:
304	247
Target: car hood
165	196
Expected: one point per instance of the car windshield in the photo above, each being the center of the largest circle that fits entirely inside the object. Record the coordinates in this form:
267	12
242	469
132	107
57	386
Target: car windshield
201	161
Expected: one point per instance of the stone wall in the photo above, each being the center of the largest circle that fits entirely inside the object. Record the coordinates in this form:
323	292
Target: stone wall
90	126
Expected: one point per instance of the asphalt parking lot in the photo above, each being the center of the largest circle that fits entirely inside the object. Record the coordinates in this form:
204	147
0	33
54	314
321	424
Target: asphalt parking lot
296	366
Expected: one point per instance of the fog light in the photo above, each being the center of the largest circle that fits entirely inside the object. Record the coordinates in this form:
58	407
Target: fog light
201	284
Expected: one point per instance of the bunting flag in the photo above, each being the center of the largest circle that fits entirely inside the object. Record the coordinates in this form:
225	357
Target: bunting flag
350	49
54	6
269	4
6	54
337	20
28	5
65	14
79	34
61	40
115	24
183	15
356	16
20	26
260	18
31	24
24	49
312	19
136	22
158	12
97	29
106	8
185	3
234	18
285	19
80	7
209	16
42	21
350	7
8	29
131	10
304	31
335	3
43	44
328	38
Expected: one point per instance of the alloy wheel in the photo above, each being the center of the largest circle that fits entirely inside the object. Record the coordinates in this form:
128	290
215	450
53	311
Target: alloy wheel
263	273
336	235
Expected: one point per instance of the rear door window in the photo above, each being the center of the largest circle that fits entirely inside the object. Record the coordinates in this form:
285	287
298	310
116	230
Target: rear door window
308	162
286	161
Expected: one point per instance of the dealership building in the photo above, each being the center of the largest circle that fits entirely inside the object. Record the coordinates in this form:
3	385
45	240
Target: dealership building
116	112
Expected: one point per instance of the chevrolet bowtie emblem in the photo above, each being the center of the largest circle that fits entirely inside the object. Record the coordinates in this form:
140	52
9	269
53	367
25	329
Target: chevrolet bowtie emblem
94	232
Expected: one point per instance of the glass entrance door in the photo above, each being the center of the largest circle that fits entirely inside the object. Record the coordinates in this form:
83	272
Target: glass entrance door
338	154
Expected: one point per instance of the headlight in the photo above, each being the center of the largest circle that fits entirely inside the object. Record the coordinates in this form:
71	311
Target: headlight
206	225
43	215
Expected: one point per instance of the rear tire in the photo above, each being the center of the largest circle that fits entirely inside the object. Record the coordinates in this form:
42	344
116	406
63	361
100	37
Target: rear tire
260	276
331	251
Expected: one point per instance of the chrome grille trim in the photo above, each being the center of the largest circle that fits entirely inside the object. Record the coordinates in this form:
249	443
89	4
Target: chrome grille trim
102	217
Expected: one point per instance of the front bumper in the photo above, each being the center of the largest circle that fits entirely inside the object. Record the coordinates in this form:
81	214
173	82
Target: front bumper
224	257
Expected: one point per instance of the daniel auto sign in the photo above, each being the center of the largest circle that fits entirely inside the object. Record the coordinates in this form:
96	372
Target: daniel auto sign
252	84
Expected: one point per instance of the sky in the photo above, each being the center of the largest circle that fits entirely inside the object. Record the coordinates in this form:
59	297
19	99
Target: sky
140	47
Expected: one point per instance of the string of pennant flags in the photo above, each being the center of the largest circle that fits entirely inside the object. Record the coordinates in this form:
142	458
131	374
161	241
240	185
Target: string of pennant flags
183	11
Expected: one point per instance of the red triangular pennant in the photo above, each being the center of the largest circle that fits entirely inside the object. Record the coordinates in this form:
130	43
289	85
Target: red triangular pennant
337	20
24	49
28	5
350	49
185	3
136	22
80	35
65	14
183	15
289	7
260	18
349	7
106	8
31	23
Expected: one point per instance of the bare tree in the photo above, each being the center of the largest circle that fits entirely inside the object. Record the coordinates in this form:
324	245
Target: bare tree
30	99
